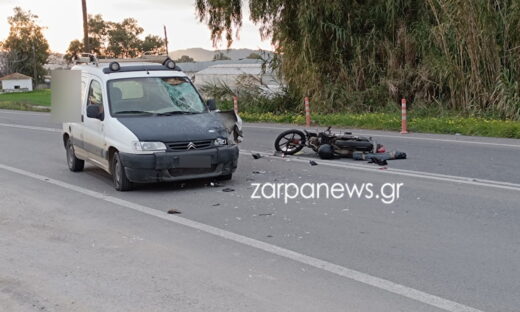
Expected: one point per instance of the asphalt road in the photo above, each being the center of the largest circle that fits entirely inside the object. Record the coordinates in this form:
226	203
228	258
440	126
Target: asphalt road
69	242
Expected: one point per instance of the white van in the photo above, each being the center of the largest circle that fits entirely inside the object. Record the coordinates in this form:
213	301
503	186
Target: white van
145	122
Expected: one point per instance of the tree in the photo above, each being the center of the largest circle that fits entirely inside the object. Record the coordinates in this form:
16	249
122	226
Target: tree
3	62
123	40
26	47
97	34
185	59
153	44
220	56
75	49
361	55
254	56
114	39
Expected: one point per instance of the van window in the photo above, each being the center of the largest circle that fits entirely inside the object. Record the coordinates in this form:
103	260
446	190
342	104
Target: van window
154	95
95	95
130	89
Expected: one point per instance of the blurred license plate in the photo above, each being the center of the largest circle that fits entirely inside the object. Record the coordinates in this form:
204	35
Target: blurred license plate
195	161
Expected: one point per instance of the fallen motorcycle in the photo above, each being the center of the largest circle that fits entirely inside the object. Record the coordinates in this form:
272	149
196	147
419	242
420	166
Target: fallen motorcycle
326	143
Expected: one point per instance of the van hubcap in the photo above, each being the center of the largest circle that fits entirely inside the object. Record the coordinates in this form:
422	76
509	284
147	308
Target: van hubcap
117	172
70	155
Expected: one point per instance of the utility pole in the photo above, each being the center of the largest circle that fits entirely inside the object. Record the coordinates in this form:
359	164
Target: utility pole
166	40
34	66
85	26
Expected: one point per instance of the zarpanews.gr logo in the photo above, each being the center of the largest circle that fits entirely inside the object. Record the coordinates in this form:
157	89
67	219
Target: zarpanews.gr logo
387	193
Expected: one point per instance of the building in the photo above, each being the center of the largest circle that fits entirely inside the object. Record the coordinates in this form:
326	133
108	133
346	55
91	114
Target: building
192	68
233	74
16	82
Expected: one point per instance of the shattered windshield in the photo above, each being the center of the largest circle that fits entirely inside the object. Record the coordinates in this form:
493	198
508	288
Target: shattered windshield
154	96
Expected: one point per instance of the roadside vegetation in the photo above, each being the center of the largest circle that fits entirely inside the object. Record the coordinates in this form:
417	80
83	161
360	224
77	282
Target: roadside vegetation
39	100
282	107
358	56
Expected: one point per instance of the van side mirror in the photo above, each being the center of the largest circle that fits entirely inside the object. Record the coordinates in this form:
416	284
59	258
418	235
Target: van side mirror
212	104
93	112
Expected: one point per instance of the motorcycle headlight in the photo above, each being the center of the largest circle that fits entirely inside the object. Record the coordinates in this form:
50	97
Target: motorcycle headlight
149	146
220	141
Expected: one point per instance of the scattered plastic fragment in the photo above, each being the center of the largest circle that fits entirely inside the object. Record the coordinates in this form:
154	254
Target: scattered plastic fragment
313	163
173	211
256	155
227	189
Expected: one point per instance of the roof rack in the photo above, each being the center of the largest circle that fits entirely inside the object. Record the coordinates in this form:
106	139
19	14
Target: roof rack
166	63
88	58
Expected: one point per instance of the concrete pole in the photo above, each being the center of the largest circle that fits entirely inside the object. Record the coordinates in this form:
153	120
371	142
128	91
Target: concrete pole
85	27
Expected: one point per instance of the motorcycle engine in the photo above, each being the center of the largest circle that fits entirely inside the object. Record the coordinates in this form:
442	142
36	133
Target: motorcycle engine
314	143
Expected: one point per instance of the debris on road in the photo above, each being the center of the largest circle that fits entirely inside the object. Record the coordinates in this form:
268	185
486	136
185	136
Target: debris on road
379	161
264	214
256	155
227	190
214	184
173	211
313	163
379	158
215	205
259	172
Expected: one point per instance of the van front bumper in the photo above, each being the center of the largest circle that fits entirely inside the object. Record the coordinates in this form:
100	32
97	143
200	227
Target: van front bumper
177	166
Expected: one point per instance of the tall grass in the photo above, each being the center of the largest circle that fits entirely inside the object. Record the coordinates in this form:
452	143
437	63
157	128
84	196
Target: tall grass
359	56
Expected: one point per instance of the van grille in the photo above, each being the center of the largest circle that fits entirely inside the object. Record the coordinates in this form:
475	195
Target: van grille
183	146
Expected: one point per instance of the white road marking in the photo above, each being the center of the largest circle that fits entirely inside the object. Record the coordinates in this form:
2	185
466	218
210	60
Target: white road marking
373	169
401	172
406	137
30	127
3	111
354	275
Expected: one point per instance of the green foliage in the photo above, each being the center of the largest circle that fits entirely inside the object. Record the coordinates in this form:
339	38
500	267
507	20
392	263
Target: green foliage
75	48
358	56
34	98
123	40
185	59
220	56
386	121
153	44
26	47
112	39
254	56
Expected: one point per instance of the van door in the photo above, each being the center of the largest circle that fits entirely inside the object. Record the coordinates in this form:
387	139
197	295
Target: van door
76	129
93	130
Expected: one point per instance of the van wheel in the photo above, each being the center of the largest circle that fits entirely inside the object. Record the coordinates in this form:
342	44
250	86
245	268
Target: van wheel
121	182
75	164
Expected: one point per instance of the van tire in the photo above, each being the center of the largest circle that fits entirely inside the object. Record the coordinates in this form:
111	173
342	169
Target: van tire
121	182
75	164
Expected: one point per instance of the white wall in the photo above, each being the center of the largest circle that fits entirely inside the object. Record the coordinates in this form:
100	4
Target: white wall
24	84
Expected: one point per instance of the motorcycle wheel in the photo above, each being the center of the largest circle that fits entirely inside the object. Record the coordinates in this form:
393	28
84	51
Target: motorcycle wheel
290	142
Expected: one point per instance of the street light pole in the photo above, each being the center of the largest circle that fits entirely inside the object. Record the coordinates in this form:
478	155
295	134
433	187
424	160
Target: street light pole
85	26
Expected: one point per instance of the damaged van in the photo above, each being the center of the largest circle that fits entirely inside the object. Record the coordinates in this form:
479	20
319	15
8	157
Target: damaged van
144	122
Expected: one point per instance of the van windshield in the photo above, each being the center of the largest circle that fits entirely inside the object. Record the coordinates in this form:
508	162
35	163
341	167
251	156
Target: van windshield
154	96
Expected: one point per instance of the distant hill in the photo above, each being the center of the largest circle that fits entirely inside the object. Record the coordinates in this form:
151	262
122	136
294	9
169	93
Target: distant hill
201	55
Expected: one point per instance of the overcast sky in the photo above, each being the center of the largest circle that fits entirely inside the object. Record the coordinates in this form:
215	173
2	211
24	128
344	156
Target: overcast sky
63	21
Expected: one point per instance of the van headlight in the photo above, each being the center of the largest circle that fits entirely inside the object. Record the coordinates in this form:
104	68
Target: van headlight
220	141
149	146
